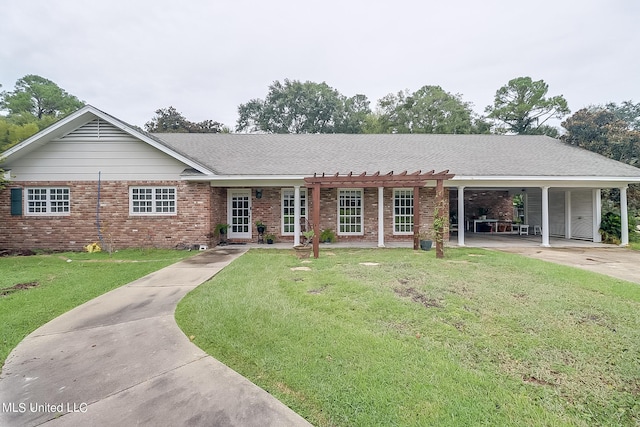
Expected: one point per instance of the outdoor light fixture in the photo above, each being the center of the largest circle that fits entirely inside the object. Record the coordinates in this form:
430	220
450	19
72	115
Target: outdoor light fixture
258	193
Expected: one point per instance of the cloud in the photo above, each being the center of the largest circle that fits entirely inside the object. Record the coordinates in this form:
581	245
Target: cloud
205	58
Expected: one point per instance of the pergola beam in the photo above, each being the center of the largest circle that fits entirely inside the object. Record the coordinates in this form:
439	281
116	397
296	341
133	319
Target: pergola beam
404	179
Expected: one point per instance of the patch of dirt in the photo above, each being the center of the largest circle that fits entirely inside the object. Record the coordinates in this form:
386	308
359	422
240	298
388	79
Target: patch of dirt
16	252
533	380
417	296
18	287
318	290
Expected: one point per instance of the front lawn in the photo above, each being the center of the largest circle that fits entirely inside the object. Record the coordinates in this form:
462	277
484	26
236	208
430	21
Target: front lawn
36	289
479	338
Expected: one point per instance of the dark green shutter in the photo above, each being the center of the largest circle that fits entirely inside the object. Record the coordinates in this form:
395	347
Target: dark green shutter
16	201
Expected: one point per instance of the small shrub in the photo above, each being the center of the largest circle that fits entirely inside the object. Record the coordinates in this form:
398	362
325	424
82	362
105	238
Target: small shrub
327	236
610	227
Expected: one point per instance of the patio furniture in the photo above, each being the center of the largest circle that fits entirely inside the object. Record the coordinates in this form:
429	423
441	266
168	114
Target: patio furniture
524	229
491	222
537	229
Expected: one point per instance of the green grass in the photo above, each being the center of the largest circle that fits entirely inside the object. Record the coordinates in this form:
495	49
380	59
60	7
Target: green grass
479	338
65	280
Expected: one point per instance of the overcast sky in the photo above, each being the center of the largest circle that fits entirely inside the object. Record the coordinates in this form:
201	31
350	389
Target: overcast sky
129	58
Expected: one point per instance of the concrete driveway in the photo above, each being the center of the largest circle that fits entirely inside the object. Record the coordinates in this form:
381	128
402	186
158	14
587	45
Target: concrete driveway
121	360
621	263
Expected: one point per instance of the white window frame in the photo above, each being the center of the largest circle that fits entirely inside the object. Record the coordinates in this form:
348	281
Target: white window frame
288	195
400	211
47	201
341	192
155	200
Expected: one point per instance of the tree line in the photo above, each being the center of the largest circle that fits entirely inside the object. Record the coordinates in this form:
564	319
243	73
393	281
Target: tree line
522	106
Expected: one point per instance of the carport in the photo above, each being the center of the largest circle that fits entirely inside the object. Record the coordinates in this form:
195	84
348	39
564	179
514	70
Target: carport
570	209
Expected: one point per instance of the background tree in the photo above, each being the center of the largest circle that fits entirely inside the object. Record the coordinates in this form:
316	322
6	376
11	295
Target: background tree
611	130
11	133
608	130
296	107
34	104
628	112
521	107
428	110
169	120
38	97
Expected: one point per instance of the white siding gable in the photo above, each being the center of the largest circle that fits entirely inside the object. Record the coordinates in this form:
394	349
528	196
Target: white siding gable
97	146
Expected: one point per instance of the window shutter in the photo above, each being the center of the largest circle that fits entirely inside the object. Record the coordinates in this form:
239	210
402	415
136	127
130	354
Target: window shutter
16	201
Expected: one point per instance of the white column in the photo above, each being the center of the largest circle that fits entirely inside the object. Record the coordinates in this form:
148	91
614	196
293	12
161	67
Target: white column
296	215
624	218
545	217
381	217
461	222
567	215
597	215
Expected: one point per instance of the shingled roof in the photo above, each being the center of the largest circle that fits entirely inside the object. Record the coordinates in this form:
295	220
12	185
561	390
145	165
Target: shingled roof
463	155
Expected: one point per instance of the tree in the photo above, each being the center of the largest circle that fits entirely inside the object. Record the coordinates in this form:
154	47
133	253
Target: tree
608	130
612	131
37	97
628	112
296	107
169	120
12	133
522	106
428	110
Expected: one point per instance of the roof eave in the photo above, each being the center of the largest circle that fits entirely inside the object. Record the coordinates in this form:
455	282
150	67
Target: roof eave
78	118
542	181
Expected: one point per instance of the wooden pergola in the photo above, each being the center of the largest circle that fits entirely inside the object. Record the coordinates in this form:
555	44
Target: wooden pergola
414	180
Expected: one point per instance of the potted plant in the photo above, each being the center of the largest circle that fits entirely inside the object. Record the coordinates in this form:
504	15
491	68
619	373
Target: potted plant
260	226
221	232
483	212
425	242
304	250
270	238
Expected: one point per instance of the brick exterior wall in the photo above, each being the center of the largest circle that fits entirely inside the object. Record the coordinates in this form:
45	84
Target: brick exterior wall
498	203
199	208
268	209
189	226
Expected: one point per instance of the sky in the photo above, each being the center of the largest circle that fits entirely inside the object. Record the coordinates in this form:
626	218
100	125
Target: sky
205	58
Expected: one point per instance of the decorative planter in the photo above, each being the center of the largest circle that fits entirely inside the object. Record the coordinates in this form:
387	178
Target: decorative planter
425	245
261	228
303	251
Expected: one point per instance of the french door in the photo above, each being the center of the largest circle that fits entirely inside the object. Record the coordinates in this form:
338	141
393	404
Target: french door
239	214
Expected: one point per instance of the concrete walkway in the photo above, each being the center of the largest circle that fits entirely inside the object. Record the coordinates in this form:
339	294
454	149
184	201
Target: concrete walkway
121	360
621	263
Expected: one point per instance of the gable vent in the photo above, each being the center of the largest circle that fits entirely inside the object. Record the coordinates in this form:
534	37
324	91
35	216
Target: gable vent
96	129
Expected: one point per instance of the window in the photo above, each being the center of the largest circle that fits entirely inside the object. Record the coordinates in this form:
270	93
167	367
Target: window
47	201
152	201
403	211
288	210
350	215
